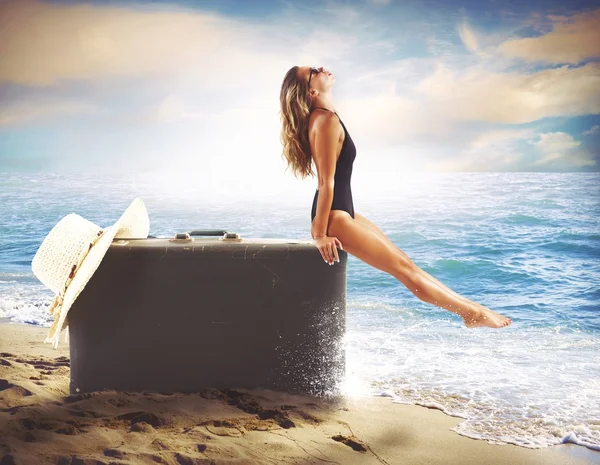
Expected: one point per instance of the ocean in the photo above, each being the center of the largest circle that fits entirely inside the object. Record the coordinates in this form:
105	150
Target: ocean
526	245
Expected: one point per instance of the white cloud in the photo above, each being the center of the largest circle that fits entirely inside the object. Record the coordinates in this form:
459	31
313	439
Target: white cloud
407	101
468	37
556	142
499	137
501	150
578	159
477	95
91	42
491	160
572	40
582	158
593	130
558	148
493	150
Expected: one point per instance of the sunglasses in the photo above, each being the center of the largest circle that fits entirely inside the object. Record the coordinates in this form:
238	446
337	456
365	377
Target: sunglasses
313	70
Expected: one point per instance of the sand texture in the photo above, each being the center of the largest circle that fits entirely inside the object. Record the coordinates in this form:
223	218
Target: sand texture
40	423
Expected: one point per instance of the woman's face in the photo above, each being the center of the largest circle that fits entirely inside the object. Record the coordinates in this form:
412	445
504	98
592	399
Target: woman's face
320	79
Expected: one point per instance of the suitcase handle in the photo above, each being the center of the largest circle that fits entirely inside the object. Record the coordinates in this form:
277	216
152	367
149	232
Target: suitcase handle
206	232
226	235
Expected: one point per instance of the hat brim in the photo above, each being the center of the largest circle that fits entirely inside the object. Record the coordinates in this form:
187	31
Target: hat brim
135	224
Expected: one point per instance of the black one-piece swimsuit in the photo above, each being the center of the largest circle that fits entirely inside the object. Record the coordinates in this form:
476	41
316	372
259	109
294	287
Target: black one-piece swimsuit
342	194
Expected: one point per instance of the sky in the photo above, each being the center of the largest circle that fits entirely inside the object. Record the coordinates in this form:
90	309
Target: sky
193	87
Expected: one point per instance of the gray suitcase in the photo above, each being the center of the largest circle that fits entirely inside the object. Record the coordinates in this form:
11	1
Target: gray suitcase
193	312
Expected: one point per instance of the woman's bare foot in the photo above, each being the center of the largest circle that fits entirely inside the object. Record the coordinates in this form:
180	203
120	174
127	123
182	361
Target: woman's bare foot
483	316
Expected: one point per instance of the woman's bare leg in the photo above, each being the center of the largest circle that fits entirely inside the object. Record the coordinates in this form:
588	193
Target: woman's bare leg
365	241
361	219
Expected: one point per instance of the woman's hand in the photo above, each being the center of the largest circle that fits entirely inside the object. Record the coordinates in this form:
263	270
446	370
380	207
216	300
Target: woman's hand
327	247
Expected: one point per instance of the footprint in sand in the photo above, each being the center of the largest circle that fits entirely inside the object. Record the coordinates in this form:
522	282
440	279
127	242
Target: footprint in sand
143	417
5	384
12	395
73	427
43	365
32	423
116	453
11	410
351	442
229	428
309	418
249	404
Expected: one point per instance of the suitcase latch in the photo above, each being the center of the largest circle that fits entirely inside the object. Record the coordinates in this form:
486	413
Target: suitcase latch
182	237
231	236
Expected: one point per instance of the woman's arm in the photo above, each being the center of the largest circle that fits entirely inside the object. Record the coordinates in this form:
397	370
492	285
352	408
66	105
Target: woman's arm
324	137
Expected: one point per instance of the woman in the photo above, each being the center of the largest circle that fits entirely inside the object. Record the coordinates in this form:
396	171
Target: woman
311	131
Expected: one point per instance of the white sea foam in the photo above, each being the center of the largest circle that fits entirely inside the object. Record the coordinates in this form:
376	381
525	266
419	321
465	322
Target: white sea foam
519	385
22	300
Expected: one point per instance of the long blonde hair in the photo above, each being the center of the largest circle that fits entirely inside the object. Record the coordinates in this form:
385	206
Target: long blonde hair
295	111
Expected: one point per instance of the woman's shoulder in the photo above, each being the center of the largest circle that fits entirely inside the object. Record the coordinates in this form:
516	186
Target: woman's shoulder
321	119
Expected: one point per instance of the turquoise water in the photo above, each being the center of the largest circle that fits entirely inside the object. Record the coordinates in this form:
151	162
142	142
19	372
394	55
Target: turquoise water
524	244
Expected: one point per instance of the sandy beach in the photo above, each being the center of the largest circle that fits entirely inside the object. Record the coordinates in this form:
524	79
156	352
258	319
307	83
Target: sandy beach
40	423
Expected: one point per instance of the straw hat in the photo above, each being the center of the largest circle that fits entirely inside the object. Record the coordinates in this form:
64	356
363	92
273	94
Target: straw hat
71	253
